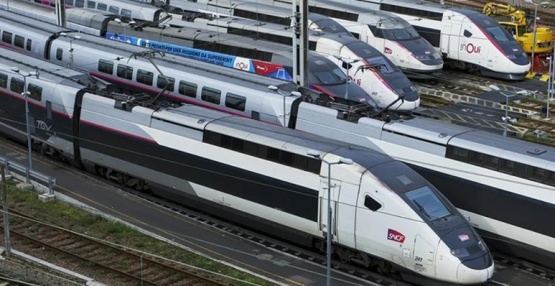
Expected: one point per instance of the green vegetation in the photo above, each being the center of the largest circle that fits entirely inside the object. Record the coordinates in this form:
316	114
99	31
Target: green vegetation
66	216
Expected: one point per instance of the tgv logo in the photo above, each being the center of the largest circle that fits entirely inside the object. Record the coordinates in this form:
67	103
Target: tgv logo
395	235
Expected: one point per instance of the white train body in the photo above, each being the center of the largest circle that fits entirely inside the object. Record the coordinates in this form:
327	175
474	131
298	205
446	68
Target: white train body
466	38
381	208
380	78
505	177
395	38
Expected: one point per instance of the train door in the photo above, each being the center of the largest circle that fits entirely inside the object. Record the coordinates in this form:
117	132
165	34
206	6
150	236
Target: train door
450	40
424	254
335	190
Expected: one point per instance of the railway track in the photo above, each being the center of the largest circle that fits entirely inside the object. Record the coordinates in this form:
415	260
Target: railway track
51	236
123	266
449	88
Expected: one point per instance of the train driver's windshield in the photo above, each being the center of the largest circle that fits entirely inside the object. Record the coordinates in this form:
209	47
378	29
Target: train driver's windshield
380	64
398	34
427	202
327	74
499	34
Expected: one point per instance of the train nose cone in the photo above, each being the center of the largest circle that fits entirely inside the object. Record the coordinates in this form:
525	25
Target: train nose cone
477	270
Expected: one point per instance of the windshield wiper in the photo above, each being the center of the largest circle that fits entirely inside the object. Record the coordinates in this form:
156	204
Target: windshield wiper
422	209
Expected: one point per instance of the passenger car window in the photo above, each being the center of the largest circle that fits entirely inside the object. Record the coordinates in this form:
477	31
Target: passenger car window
211	95
102	7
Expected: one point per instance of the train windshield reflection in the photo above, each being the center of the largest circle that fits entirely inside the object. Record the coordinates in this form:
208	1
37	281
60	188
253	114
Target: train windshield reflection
399	34
428	203
380	64
499	34
330	76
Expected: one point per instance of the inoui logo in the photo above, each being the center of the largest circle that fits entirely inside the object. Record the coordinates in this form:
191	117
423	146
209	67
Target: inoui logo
395	235
42	125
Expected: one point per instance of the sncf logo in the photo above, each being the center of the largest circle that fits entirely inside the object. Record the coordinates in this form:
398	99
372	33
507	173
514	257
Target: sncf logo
395	235
387	51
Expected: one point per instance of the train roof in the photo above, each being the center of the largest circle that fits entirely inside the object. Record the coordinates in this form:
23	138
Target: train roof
477	140
269	134
425	129
46	70
253	27
44	30
132	9
418	5
477	17
508	148
364	15
179	63
176	35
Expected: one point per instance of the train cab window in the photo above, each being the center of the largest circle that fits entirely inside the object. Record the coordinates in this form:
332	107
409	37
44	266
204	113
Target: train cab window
106	67
145	77
102	7
491	162
467	33
187	88
165	82
19	41
3	80
80	3
29	44
210	95
506	166
475	158
91	4
125	72
235	101
16	85
126	13
7	37
428	203
59	53
114	9
371	203
35	92
535	174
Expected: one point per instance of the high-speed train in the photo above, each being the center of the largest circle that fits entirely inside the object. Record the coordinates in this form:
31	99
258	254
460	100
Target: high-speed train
505	187
386	32
371	70
139	69
232	51
126	8
382	209
467	39
364	65
423	143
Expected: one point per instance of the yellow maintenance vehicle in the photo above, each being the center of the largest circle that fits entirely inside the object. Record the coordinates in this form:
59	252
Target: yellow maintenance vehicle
515	21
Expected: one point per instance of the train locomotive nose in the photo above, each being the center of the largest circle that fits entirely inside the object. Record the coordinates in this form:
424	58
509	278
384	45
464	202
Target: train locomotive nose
477	270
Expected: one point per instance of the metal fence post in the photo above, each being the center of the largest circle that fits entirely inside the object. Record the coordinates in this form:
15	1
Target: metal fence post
5	208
